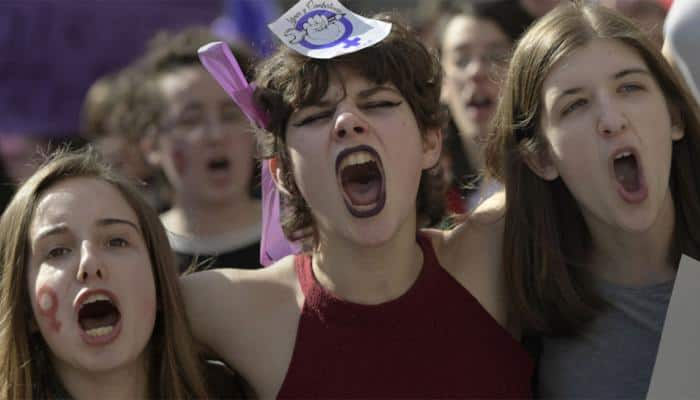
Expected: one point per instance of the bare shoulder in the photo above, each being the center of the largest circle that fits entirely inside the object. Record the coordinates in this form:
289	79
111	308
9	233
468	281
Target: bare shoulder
246	317
471	253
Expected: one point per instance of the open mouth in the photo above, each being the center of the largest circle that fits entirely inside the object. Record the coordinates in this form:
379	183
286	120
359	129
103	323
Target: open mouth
480	102
629	176
98	317
361	177
219	164
481	105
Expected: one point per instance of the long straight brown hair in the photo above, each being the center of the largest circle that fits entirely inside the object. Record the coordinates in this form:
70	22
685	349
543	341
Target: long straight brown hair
174	367
546	241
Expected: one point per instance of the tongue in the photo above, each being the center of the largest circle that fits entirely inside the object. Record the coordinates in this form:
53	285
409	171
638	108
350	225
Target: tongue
99	322
627	173
363	193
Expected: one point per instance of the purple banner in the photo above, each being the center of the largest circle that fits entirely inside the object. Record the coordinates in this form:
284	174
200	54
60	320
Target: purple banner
52	50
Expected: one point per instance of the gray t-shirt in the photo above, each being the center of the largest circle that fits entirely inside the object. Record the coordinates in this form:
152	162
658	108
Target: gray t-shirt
614	357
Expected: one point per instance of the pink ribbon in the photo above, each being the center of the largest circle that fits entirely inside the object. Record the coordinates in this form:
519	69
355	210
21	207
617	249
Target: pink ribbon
223	66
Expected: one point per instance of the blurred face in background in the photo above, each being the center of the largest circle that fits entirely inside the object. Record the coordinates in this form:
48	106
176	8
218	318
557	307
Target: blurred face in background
204	145
124	155
648	14
474	51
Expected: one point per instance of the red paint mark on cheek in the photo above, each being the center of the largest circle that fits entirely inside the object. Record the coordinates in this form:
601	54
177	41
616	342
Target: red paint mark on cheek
47	304
180	161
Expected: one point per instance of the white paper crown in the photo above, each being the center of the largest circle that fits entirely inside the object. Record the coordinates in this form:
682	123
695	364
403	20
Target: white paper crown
326	29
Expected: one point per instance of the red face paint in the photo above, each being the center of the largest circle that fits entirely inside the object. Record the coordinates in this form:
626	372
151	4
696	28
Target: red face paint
179	160
47	304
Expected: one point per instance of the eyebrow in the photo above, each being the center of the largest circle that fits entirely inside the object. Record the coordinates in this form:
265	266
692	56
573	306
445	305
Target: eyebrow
118	221
618	75
62	228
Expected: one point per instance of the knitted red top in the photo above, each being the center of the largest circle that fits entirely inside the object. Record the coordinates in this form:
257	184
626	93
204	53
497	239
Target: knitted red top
434	341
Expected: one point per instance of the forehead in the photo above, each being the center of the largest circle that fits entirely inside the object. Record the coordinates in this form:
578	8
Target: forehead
596	61
73	202
469	31
347	82
190	83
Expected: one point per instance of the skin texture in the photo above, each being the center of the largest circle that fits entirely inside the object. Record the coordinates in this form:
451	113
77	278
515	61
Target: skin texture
202	127
471	51
48	305
80	245
362	260
202	124
611	102
381	120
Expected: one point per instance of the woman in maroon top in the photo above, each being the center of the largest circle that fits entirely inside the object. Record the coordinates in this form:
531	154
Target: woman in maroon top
375	307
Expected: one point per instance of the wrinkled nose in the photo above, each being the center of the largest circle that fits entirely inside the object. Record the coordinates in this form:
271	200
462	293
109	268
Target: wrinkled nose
348	123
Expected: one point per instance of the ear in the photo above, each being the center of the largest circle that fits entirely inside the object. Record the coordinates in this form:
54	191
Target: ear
276	174
150	148
540	162
677	131
432	148
677	125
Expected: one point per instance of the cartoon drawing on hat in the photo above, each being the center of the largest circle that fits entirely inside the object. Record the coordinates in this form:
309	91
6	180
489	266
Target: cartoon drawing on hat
326	29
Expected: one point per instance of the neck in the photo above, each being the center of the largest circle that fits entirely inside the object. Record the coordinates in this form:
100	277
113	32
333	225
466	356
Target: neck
369	274
636	258
196	219
128	382
473	151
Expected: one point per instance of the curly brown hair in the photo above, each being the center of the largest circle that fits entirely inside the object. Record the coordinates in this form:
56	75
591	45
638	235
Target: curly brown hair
288	80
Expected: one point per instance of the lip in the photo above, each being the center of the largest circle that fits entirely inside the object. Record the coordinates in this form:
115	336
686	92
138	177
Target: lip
382	198
643	192
100	340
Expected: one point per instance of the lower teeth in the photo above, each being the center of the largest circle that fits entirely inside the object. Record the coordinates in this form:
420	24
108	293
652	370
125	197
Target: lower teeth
101	331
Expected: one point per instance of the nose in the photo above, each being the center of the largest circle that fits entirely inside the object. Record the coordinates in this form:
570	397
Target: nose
478	68
349	123
90	265
213	130
612	120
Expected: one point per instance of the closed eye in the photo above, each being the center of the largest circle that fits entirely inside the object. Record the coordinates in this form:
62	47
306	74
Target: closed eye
382	104
576	104
313	118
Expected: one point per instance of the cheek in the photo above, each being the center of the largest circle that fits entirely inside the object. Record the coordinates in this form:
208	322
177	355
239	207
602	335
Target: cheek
179	160
46	306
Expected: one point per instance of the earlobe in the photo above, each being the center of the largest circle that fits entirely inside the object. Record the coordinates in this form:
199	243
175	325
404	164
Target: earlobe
276	174
541	164
432	148
677	132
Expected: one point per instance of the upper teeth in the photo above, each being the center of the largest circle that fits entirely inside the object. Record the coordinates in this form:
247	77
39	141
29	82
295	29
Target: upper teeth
95	297
623	154
359	157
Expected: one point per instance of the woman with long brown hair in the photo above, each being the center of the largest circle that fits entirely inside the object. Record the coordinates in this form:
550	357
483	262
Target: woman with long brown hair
594	141
89	301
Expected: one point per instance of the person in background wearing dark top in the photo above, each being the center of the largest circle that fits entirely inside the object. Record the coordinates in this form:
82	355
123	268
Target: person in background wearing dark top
88	294
110	124
204	144
596	142
475	44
